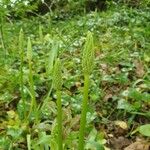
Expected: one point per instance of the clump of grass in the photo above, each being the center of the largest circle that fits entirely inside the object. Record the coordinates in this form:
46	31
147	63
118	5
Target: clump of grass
57	84
21	50
87	64
31	83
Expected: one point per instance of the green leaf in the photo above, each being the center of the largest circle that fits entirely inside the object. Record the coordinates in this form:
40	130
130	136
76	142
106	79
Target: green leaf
43	139
134	94
146	57
15	133
145	130
123	104
94	144
92	135
52	56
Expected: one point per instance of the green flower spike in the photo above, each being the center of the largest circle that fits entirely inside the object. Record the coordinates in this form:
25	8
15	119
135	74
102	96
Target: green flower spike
88	54
57	83
57	75
87	64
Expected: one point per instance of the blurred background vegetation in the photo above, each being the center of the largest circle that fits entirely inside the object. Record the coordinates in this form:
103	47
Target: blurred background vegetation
27	8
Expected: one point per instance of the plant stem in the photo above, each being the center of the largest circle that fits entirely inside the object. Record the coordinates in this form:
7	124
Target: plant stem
32	86
33	107
59	119
2	37
21	49
33	99
29	141
21	84
84	112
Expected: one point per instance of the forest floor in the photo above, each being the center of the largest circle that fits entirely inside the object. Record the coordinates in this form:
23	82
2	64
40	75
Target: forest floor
119	97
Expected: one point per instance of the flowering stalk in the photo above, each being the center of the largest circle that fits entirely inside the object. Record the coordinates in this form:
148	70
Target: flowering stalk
57	84
41	37
31	83
87	64
21	49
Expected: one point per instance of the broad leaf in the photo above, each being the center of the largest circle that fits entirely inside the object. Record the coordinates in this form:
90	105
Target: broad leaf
145	130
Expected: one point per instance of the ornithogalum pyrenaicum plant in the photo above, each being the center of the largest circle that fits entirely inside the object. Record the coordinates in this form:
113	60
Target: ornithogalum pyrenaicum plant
33	106
87	65
41	37
21	50
57	84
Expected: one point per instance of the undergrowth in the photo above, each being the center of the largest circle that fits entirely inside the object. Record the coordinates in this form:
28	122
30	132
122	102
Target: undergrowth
119	83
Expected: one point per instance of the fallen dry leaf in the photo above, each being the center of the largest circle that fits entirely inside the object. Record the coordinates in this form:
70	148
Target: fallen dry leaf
139	68
107	97
119	143
121	124
139	145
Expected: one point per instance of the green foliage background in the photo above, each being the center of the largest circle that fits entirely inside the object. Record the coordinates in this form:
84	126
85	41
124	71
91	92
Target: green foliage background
120	80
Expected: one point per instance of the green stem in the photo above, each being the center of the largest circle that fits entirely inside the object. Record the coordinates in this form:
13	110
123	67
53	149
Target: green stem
59	119
32	86
29	141
49	92
21	82
21	49
83	113
33	99
2	37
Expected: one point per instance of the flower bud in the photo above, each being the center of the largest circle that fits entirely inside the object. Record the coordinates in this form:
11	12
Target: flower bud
57	75
21	40
29	50
88	54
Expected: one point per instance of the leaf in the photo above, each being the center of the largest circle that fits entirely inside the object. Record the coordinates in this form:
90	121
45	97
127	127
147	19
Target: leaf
92	135
139	68
139	145
146	57
43	139
11	114
119	143
134	94
15	133
52	56
145	130
95	145
121	124
123	104
43	126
